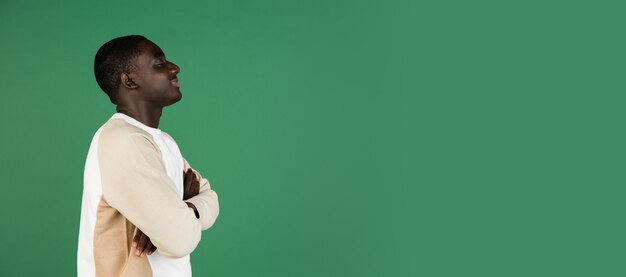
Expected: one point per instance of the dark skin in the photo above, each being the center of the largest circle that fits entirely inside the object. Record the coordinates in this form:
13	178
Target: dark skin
142	95
152	85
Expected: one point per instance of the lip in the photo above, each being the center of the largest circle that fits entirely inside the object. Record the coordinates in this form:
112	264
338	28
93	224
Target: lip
175	82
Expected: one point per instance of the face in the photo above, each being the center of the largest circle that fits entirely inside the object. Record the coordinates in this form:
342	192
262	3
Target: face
156	76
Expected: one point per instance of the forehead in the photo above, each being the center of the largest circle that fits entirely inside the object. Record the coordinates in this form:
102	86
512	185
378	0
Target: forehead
149	50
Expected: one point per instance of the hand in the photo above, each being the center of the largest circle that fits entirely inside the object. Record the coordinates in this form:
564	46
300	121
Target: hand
143	244
191	185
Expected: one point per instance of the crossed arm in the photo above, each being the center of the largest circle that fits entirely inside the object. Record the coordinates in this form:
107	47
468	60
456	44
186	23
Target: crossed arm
135	182
191	188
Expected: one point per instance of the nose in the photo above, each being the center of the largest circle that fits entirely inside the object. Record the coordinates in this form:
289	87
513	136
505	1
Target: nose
174	69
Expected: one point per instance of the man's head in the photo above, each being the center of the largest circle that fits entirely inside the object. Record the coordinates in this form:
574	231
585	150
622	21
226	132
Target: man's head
132	68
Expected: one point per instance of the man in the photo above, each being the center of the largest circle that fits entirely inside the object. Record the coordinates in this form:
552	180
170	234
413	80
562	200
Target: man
143	206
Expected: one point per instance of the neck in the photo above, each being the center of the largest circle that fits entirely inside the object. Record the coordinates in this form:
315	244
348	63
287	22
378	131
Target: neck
149	116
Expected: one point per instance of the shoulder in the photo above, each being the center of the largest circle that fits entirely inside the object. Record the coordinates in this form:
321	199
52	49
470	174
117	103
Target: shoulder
167	135
171	140
120	134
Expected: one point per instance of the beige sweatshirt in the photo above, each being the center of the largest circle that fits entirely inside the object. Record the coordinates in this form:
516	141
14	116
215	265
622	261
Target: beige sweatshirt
134	179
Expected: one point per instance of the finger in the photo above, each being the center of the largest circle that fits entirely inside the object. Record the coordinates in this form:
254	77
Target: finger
136	238
189	171
191	183
196	185
141	244
197	176
196	188
193	174
147	249
188	176
185	173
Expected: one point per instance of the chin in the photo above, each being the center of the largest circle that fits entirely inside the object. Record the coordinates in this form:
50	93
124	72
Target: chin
175	98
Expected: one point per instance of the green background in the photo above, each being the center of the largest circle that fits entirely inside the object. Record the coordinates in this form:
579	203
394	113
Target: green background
345	138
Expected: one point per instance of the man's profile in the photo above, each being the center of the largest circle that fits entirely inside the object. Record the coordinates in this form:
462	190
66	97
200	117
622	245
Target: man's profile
143	206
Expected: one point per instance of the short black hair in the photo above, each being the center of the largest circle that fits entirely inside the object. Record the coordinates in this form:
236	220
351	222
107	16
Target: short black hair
112	59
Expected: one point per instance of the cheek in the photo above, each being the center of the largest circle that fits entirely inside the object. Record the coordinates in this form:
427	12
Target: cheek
147	80
156	82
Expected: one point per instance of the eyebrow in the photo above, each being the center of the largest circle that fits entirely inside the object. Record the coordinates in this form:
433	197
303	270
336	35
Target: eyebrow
159	54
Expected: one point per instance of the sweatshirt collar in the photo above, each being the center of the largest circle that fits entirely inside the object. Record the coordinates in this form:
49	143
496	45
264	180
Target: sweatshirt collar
136	123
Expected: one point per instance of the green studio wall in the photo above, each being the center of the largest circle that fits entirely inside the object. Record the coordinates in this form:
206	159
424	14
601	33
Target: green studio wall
345	138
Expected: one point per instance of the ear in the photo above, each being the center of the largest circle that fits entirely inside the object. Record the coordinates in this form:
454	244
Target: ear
128	80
